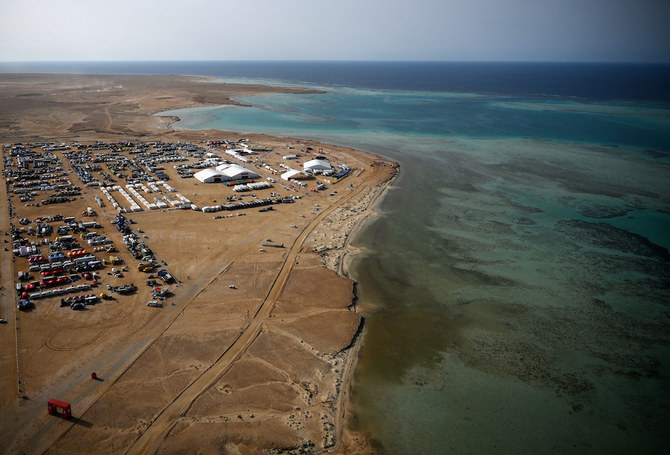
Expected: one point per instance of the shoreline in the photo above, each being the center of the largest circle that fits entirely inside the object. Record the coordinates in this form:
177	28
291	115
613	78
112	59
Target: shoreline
277	319
351	441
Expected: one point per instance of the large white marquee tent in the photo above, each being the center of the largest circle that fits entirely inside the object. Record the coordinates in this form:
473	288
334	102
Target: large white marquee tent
235	172
317	165
224	173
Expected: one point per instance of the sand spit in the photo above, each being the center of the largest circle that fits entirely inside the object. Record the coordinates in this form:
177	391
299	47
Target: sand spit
254	346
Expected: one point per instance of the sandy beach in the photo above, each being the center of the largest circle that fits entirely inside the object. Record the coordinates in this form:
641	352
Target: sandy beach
254	348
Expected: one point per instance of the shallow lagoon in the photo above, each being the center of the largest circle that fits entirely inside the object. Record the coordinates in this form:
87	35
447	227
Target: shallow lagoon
515	286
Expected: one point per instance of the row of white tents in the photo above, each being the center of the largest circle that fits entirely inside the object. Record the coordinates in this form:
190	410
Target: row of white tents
134	207
132	189
228	172
139	197
252	186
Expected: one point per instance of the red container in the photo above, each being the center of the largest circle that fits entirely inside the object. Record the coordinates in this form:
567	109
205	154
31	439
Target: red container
59	407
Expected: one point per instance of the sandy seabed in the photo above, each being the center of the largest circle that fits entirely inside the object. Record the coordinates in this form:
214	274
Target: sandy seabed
260	367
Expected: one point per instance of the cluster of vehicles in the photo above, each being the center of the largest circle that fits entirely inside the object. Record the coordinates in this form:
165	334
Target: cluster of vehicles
160	293
140	250
165	276
29	172
145	267
30	293
25	305
56	256
123	290
79	302
60	199
77	253
108	249
78	261
247	204
54	267
54	281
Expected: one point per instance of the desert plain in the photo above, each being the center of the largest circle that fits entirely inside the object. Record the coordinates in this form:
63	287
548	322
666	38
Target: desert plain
254	347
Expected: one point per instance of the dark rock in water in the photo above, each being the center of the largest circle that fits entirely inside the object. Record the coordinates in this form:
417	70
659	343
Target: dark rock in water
602	235
602	211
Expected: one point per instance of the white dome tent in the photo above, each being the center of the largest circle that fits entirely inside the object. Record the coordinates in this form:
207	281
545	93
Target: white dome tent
210	176
224	173
235	172
317	165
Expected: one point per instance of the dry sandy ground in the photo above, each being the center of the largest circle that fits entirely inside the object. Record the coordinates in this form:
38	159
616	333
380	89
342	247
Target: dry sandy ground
262	367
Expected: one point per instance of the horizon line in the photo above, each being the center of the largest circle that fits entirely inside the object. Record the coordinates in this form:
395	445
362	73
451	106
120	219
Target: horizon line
592	62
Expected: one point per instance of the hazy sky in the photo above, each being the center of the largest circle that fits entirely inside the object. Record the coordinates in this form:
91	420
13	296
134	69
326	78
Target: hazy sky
527	30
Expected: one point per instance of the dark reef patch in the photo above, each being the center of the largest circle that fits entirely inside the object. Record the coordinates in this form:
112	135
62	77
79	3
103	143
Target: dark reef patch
602	235
525	221
655	153
571	178
602	211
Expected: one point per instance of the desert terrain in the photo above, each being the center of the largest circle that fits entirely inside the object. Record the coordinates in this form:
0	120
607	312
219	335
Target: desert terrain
254	346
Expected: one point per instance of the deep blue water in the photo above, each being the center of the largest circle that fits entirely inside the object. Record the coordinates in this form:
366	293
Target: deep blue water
515	285
601	81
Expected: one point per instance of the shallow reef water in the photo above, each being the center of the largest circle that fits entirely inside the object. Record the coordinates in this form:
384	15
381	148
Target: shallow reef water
515	284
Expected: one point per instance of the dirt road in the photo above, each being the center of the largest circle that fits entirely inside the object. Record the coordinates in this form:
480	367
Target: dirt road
150	439
8	348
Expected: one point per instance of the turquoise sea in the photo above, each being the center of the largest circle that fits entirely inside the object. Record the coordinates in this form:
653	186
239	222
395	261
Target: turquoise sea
516	285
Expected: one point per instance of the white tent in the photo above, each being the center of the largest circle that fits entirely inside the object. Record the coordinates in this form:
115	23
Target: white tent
293	174
317	165
210	176
235	172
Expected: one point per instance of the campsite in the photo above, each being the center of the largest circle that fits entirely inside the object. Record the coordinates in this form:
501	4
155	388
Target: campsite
117	260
